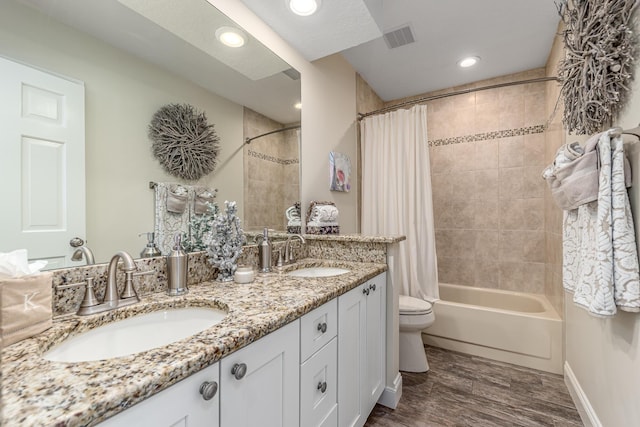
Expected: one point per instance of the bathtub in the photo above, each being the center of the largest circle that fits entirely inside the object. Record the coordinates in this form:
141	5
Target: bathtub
519	328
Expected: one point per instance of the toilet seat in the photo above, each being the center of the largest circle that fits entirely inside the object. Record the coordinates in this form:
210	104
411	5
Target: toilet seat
413	306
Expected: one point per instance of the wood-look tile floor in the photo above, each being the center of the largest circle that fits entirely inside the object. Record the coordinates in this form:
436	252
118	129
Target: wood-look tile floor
464	390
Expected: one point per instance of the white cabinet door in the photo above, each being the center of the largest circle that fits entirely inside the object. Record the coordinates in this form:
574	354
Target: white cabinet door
260	383
319	388
373	380
352	314
42	163
181	405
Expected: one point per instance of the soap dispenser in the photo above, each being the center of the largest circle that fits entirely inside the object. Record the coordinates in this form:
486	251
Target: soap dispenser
151	249
177	269
264	252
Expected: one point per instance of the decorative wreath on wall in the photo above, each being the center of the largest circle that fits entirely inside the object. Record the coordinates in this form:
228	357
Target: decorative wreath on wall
598	66
183	142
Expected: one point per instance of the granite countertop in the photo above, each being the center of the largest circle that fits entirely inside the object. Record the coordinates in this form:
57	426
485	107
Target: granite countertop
39	392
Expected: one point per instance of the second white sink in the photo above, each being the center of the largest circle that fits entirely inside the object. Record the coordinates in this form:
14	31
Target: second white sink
318	272
135	334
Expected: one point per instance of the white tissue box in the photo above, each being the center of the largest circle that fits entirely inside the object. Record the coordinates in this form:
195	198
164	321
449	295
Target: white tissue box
25	307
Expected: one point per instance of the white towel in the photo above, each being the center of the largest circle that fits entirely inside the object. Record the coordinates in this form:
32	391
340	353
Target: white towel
600	255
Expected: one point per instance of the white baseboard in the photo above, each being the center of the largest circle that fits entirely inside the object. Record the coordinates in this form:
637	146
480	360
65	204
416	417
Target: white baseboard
580	399
392	394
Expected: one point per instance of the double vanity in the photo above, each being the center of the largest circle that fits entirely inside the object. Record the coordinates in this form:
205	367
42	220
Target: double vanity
305	346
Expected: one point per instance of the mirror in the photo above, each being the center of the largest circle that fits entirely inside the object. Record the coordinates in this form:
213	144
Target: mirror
133	57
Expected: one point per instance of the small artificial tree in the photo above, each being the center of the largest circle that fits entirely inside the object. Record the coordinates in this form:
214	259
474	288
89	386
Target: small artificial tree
226	242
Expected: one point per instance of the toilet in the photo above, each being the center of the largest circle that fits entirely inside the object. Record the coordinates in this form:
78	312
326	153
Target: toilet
415	315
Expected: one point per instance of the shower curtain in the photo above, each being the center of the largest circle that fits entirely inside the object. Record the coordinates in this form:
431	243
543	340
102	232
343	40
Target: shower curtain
396	194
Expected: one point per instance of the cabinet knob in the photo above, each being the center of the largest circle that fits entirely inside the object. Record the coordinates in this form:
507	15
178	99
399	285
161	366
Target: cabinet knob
365	291
239	370
322	386
372	287
208	389
322	327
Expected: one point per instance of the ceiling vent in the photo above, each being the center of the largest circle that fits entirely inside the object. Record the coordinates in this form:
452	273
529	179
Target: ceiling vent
399	37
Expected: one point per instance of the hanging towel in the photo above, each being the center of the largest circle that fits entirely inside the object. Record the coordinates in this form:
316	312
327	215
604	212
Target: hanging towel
600	263
170	219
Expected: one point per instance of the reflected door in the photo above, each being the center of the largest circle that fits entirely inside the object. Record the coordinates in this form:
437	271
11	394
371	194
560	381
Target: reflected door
41	163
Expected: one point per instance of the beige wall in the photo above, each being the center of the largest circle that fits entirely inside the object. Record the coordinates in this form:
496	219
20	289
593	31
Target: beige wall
271	173
604	354
121	94
328	114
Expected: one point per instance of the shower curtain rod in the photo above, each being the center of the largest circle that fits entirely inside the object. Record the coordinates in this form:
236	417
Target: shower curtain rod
248	140
458	92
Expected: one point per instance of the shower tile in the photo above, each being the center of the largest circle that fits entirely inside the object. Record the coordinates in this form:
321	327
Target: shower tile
486	183
487	245
511	214
511	246
441	159
486	215
487	154
487	117
445	244
441	188
462	214
533	150
487	274
512	112
463	185
510	186
463	158
534	246
534	109
533	185
533	278
511	276
511	152
533	214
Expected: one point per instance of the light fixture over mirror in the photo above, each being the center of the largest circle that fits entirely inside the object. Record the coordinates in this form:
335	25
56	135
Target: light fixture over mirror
132	57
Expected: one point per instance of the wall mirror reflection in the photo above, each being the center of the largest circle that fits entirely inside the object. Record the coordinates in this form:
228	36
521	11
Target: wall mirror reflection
94	73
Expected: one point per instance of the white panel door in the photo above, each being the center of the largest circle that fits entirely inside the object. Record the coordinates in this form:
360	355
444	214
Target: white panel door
41	163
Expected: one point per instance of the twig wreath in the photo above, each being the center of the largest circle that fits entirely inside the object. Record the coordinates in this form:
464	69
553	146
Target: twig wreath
183	142
598	66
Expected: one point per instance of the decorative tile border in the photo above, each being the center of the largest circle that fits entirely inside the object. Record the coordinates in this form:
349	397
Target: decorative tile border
268	158
528	130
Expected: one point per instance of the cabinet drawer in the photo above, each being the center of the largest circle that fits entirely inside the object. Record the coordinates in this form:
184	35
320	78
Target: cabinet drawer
319	388
317	328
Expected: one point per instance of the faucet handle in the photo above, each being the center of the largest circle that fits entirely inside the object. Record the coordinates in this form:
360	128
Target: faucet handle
89	299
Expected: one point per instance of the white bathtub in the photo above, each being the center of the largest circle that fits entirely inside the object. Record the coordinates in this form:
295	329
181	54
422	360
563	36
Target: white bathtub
512	327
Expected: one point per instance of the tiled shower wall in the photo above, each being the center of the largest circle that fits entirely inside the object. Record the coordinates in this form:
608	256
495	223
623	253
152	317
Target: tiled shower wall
271	173
554	138
487	151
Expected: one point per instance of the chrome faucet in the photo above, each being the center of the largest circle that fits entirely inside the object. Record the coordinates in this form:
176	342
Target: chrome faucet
86	252
111	300
288	251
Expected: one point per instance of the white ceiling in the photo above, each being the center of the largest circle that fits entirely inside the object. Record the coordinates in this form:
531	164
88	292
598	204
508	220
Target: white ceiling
179	36
508	35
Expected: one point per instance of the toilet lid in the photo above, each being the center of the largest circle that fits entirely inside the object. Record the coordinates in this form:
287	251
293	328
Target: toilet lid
411	305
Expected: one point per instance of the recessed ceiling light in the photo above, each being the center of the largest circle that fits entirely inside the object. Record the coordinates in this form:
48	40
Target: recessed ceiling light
468	62
298	105
304	7
230	36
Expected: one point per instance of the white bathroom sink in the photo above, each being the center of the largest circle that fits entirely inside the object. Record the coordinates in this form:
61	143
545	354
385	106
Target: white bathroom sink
135	334
318	272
